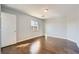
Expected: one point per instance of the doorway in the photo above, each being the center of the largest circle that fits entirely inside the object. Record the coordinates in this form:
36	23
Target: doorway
8	29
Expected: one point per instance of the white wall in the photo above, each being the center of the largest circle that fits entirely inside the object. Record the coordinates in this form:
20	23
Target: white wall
73	26
56	27
24	27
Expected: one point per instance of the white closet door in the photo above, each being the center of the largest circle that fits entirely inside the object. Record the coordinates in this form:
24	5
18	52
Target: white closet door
8	29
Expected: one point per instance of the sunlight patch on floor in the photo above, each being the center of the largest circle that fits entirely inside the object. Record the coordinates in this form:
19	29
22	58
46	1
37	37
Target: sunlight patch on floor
23	45
35	47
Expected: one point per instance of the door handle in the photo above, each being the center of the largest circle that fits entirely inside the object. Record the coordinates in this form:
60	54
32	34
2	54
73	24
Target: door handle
15	31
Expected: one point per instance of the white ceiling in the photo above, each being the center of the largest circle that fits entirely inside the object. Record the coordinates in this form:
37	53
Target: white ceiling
54	10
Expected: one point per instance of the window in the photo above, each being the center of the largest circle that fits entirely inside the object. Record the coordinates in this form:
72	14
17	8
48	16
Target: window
34	25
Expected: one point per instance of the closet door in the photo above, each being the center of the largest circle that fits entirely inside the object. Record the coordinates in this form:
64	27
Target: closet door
8	29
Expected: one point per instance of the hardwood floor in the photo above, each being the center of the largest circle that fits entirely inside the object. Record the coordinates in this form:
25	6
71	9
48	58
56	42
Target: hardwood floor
41	46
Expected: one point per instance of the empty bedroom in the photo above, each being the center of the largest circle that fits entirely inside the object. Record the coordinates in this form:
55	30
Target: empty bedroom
39	28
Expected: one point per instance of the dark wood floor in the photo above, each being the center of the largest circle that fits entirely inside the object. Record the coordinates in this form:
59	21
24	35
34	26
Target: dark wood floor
41	46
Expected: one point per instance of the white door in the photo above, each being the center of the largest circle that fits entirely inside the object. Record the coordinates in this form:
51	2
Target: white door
8	29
